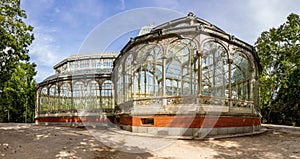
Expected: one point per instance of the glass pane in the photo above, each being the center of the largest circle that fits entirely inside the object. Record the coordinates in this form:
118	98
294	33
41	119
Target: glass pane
241	76
149	71
214	70
106	95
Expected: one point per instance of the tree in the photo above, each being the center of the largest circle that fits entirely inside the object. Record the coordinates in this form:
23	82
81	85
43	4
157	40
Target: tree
17	85
279	53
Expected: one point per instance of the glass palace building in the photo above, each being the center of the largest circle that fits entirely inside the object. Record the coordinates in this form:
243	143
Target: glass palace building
184	77
81	83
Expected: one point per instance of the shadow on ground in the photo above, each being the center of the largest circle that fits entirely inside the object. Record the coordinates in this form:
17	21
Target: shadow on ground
271	144
48	142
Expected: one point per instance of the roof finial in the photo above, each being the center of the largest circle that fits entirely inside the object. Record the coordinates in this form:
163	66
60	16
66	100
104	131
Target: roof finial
191	14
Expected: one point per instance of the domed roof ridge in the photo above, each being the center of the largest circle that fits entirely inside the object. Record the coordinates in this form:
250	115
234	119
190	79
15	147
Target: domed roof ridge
190	20
146	29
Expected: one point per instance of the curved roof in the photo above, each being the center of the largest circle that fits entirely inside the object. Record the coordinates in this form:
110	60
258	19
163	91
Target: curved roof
189	20
84	73
77	74
146	29
87	56
187	24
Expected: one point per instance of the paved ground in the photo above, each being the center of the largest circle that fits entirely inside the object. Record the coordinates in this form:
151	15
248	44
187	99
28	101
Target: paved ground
47	142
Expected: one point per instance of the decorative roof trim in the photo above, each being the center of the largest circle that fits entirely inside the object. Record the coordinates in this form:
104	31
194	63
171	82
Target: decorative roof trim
87	56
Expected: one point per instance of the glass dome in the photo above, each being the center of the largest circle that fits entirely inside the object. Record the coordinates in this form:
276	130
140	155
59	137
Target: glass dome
188	57
187	62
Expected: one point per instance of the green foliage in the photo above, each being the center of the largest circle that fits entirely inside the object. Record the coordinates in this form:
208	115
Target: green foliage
279	52
17	86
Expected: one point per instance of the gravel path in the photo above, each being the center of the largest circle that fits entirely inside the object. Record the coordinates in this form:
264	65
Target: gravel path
48	142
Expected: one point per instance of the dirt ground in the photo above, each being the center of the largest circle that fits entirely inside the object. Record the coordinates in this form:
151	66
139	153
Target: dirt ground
48	142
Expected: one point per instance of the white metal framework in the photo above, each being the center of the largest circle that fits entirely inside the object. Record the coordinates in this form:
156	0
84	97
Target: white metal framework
187	61
81	82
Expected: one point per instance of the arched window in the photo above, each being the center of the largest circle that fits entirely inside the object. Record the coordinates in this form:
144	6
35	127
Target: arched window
254	95
215	81
65	95
54	98
120	86
240	76
93	95
79	95
173	77
148	72
147	84
107	95
44	99
182	68
129	78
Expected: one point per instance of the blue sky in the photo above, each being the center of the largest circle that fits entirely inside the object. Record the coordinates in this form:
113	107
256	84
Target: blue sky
65	27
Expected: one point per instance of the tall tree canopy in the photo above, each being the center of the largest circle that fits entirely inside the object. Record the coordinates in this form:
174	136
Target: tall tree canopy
279	52
17	86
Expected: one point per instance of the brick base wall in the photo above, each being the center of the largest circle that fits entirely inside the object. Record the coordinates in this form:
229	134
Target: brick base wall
199	125
68	120
193	122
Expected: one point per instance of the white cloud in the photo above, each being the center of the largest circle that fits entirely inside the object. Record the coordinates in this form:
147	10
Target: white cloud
77	13
58	27
61	25
38	6
43	73
123	23
44	52
272	13
244	19
90	8
261	15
